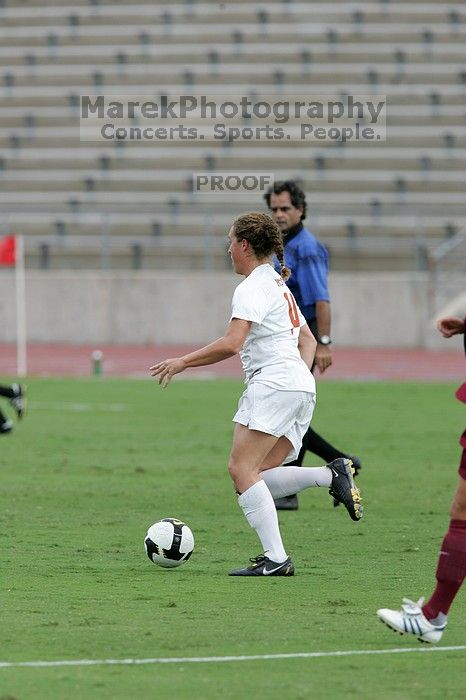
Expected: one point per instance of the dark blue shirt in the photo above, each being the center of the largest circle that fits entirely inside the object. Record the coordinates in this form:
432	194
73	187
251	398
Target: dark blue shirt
307	259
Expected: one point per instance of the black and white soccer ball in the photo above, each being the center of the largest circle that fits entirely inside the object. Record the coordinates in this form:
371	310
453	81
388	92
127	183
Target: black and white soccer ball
169	543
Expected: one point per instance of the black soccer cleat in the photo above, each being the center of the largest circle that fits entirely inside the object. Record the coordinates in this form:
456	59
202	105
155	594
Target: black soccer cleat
357	468
18	401
263	566
343	488
287	502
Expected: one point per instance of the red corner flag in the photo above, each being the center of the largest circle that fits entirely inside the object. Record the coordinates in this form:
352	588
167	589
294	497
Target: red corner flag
12	254
8	250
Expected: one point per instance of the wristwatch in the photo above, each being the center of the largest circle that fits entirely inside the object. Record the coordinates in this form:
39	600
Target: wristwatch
324	340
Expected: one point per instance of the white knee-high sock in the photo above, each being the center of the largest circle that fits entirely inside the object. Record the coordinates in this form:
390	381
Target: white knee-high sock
258	507
284	481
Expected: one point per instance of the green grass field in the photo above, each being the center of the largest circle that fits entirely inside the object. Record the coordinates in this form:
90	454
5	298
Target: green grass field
95	462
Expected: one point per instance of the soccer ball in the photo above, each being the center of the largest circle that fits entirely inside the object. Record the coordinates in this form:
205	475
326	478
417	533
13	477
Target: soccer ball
169	543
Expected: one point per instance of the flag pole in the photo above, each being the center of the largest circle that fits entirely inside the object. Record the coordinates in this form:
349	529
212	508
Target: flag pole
21	340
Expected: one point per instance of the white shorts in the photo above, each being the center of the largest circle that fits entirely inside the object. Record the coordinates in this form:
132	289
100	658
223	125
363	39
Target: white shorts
276	412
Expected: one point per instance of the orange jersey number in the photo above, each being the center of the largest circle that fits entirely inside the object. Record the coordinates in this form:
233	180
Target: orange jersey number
292	309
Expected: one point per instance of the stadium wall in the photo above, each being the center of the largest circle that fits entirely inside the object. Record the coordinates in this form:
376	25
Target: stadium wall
143	307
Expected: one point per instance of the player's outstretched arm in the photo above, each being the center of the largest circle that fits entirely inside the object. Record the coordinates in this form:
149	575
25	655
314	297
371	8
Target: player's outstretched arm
450	325
226	346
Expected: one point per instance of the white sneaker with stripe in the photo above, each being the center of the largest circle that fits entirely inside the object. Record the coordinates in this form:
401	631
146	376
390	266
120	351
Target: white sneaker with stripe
411	620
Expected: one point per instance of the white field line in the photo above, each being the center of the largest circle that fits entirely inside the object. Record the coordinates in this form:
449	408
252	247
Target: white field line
225	659
79	407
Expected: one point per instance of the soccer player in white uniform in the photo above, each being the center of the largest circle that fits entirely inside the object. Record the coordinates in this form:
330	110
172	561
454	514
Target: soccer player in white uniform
277	349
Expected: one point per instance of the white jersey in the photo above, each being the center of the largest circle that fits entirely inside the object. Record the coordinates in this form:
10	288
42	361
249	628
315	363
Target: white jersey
270	352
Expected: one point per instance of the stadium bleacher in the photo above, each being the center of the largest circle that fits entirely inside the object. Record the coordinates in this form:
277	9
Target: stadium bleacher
389	205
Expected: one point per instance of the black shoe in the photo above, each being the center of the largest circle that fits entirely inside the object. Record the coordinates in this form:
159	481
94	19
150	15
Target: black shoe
263	566
6	426
343	488
19	400
357	468
287	502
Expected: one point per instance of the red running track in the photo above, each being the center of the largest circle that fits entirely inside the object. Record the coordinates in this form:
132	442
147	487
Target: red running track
134	361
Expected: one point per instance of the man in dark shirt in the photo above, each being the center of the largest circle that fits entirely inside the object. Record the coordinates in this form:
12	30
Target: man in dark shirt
307	259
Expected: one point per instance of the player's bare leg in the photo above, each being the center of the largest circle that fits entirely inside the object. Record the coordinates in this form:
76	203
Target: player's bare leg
250	448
